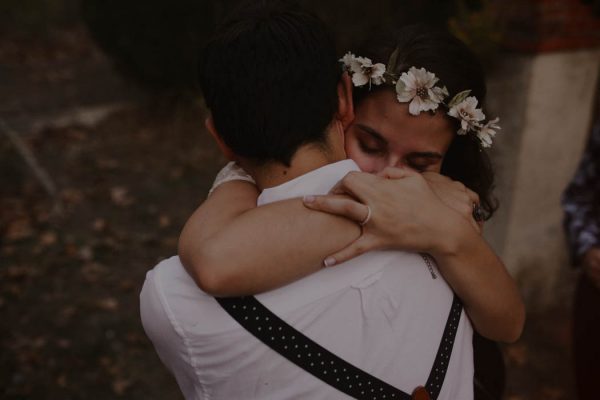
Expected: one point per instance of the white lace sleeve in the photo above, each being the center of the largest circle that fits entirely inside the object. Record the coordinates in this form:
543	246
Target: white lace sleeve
231	172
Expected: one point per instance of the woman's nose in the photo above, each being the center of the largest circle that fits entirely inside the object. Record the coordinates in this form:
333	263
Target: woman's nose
395	161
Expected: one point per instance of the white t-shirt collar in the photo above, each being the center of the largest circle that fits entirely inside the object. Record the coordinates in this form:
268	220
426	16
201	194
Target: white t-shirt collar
318	181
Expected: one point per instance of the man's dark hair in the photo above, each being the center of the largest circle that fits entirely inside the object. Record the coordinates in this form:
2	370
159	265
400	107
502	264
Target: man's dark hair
269	76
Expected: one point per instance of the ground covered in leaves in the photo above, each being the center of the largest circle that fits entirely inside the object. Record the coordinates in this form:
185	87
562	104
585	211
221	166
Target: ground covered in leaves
71	267
69	280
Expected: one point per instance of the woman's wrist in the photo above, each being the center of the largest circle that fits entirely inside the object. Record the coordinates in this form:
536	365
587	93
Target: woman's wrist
451	236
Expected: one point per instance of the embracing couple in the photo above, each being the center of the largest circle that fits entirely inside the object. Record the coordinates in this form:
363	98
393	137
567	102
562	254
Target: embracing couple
353	213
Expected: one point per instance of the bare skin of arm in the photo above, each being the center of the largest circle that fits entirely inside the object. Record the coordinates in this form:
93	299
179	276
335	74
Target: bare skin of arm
469	265
231	247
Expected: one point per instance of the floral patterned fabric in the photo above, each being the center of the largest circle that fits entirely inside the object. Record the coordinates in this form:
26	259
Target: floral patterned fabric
231	172
581	201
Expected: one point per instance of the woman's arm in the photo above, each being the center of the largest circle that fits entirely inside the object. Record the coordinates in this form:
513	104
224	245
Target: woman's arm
231	247
489	294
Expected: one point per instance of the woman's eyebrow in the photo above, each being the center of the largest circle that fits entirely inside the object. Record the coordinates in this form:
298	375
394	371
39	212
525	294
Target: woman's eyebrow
376	135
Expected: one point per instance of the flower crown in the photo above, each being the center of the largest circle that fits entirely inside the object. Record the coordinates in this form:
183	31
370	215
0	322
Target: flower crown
417	87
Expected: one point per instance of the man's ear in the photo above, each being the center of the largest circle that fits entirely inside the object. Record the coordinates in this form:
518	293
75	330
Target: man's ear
340	132
210	126
345	112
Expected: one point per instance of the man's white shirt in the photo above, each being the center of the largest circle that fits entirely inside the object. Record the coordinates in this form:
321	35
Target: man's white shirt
382	312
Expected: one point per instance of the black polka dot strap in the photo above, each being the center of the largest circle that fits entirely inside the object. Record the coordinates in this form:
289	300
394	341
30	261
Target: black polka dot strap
442	358
331	369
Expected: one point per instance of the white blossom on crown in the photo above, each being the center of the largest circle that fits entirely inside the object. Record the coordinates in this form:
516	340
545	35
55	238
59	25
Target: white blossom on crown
363	70
488	131
468	114
417	86
347	60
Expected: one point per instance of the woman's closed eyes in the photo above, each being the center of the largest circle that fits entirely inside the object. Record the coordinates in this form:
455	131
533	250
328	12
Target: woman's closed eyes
374	144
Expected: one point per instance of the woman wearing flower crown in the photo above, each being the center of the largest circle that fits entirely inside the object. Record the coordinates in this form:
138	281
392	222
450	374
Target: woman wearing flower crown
418	128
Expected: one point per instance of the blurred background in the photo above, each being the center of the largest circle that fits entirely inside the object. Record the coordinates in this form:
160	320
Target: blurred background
103	156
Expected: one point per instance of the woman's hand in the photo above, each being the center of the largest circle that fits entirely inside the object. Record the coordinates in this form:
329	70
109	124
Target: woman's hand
455	195
428	214
406	212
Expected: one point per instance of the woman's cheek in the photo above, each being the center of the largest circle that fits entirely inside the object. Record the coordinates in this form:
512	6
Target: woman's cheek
366	162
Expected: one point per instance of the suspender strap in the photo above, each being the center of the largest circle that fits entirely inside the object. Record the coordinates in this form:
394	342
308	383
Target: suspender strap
442	358
318	361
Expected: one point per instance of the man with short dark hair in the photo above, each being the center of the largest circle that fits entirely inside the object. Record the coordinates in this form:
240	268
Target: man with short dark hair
277	104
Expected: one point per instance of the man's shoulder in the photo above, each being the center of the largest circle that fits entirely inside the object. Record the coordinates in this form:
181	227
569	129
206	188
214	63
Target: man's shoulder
170	289
170	279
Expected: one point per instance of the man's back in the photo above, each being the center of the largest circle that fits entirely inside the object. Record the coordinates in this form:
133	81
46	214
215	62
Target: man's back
382	312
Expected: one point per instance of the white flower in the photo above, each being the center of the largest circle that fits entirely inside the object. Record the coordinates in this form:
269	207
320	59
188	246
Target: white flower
347	60
363	71
417	86
488	131
469	115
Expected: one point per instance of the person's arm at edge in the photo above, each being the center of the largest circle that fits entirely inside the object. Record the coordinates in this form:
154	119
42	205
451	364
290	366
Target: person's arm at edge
223	246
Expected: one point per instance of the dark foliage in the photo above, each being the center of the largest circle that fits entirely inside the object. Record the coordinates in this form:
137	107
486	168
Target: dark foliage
156	42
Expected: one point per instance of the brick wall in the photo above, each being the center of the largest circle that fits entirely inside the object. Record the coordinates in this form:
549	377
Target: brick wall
548	25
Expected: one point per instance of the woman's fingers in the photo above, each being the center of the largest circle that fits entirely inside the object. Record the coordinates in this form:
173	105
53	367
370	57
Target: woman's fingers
473	197
455	195
395	173
338	205
360	246
356	184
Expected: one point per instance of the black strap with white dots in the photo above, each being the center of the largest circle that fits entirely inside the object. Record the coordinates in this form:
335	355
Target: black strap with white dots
331	369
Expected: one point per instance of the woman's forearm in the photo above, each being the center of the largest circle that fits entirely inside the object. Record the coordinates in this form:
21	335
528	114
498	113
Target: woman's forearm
489	294
231	247
408	215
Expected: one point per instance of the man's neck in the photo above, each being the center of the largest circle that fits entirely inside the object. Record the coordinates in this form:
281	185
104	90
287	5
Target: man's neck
306	159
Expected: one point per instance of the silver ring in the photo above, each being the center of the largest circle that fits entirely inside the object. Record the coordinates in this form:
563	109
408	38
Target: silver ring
367	218
477	212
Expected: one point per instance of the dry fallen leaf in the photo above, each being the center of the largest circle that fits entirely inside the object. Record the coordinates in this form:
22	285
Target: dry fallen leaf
92	272
164	221
72	196
551	393
19	272
19	229
120	385
108	304
86	253
62	381
107	163
170	241
71	250
99	225
176	173
517	354
48	238
8	250
39	342
67	312
127	285
120	196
